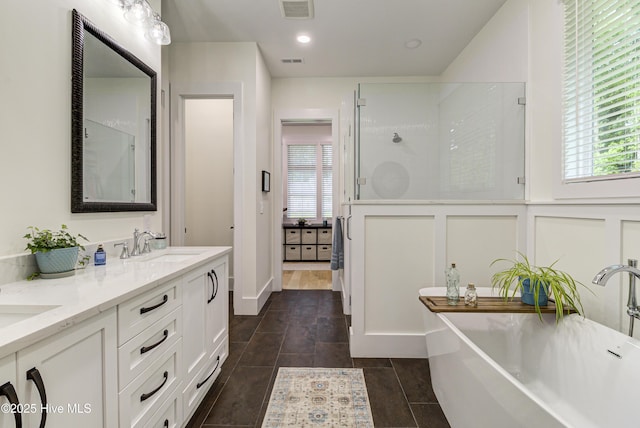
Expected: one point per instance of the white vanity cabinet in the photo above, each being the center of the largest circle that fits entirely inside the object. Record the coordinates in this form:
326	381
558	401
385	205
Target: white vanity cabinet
149	355
9	398
71	376
124	367
205	330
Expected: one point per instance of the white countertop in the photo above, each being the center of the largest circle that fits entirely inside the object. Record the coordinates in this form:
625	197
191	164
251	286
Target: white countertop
90	291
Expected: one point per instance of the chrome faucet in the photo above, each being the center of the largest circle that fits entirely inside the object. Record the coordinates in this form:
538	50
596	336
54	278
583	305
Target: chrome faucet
603	276
137	237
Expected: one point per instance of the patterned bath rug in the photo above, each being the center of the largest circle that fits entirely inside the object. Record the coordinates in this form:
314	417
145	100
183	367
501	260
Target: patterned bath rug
318	397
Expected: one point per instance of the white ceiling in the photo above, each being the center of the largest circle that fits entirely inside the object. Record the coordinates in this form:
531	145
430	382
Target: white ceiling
349	37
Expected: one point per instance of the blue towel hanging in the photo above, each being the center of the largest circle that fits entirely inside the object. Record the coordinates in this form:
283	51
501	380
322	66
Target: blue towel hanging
337	246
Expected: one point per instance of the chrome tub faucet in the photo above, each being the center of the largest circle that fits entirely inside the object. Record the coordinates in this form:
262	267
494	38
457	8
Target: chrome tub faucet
603	276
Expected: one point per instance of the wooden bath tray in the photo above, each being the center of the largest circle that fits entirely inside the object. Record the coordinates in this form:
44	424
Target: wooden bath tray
485	304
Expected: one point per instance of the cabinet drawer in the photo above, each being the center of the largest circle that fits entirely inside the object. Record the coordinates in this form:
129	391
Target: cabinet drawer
136	355
324	236
308	252
292	252
308	236
146	393
291	236
169	415
195	390
324	252
142	311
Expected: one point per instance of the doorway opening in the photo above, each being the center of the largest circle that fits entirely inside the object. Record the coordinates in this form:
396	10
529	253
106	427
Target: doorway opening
307	204
203	158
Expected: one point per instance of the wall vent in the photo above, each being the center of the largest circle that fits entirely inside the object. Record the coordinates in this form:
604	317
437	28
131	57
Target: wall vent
296	9
292	60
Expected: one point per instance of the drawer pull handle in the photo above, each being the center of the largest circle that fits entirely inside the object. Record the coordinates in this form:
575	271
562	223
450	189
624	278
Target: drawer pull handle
215	284
34	375
7	390
165	299
146	349
207	378
150	394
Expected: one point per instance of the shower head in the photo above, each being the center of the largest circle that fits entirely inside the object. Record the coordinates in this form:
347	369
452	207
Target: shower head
396	138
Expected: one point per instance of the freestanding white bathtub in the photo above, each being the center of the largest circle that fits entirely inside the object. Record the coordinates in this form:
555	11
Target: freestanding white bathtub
510	370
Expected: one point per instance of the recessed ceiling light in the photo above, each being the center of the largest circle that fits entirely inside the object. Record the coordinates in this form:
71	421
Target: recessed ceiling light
412	44
303	38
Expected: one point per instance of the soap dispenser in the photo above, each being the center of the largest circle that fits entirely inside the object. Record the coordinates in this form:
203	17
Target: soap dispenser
100	256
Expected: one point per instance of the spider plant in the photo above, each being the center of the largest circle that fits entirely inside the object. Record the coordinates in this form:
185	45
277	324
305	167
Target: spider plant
559	286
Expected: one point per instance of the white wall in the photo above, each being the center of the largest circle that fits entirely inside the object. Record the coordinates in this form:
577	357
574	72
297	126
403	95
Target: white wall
35	118
193	65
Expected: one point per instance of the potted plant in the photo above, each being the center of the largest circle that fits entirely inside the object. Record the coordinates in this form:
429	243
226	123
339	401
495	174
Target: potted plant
302	221
537	285
56	252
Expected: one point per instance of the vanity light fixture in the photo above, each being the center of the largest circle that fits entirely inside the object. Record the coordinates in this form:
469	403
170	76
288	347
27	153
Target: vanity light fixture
139	12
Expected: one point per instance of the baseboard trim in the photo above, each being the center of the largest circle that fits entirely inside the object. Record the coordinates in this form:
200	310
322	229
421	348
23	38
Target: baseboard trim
407	345
252	305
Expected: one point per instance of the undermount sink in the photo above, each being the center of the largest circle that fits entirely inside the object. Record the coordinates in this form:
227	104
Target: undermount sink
172	255
171	258
11	314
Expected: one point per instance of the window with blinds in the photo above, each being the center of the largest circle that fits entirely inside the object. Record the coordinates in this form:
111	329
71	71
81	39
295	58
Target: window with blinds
601	89
309	177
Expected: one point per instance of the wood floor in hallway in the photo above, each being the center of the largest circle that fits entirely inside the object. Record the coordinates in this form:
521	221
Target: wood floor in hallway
306	280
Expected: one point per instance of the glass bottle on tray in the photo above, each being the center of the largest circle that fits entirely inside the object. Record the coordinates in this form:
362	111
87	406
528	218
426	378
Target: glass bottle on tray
453	285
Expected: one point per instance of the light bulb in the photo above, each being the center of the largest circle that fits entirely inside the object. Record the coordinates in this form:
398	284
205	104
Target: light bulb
138	12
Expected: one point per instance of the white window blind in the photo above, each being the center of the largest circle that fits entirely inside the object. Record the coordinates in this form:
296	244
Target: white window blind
601	89
309	177
327	188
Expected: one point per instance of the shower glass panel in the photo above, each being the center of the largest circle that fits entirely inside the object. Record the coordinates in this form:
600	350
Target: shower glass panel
109	164
440	141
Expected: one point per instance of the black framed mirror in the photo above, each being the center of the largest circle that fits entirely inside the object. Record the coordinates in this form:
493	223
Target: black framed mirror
113	125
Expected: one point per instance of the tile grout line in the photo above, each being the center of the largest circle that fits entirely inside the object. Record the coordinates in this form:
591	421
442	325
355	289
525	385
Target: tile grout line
404	394
265	400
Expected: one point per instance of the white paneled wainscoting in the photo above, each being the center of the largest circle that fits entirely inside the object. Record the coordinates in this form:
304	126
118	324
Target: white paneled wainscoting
396	249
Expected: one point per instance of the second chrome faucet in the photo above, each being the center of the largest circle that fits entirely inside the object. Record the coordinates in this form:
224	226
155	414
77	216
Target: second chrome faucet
603	276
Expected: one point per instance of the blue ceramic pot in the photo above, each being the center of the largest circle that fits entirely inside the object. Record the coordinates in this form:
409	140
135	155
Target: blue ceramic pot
528	297
58	260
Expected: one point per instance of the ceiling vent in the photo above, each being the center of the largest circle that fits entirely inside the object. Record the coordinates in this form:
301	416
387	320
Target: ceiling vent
296	9
292	60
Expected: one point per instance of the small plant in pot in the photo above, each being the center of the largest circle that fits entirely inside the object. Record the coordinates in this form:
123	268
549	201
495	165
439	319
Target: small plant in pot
538	285
56	252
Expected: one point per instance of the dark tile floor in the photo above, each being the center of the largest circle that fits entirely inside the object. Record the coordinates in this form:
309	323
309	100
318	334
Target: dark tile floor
306	328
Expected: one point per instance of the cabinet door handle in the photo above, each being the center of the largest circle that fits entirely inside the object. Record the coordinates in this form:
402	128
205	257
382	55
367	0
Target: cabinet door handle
34	375
150	394
165	299
216	285
199	385
213	287
7	390
146	349
166	421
